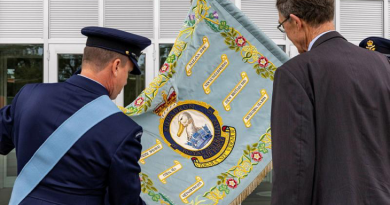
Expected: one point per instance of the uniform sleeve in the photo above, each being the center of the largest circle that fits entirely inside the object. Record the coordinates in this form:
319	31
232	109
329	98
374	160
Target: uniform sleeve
293	141
124	186
6	125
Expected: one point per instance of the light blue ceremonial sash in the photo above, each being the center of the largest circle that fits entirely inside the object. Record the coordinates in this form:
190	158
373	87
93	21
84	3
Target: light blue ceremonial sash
58	143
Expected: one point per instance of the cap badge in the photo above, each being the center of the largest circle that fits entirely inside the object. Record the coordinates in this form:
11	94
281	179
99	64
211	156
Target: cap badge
370	45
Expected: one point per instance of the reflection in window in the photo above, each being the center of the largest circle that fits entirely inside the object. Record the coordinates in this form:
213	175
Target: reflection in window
135	83
164	52
67	65
19	65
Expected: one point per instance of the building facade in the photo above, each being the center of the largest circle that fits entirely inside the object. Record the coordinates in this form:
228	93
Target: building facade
40	40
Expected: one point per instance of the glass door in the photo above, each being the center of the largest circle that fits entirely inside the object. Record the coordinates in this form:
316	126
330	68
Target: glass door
19	64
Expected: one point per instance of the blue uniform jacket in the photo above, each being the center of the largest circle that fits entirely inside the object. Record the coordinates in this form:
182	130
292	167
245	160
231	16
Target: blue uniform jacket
102	165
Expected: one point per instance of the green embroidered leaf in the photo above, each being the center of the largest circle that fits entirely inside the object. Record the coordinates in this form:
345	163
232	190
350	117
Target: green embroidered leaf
227	191
267	74
255	145
156	198
262	137
143	189
224	174
263	75
151	193
248	148
227	42
258	71
253	149
256	66
219	182
232	47
271	77
246	152
223	35
262	70
237	49
154	189
220	177
205	194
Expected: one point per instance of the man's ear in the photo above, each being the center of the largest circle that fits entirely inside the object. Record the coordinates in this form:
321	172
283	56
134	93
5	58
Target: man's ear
296	21
115	66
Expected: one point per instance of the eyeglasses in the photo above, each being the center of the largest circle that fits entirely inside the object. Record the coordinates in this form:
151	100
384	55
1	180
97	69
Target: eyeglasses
281	27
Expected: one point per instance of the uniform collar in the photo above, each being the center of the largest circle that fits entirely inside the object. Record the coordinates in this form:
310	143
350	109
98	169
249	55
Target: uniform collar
87	84
326	37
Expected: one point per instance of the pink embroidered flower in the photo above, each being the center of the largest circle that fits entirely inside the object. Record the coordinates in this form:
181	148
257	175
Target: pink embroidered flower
256	156
164	68
139	101
263	62
240	41
232	183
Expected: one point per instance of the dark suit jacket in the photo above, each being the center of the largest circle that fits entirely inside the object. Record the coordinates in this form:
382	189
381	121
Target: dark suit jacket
331	126
105	158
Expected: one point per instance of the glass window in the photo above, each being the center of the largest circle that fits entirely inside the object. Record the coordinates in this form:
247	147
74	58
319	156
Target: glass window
283	47
19	65
135	83
164	52
67	65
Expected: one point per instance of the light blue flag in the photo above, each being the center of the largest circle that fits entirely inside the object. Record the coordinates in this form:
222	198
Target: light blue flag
206	117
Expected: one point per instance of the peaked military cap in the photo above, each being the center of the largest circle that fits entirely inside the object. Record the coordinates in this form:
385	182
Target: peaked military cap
379	44
118	41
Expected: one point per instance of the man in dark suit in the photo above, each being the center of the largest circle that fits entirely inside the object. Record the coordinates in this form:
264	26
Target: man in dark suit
104	161
330	115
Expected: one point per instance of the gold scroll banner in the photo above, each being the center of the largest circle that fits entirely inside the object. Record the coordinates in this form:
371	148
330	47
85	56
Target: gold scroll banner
221	67
192	189
151	151
252	112
167	173
202	49
233	94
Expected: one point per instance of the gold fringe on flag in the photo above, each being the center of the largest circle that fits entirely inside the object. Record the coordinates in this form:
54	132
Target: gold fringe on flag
252	186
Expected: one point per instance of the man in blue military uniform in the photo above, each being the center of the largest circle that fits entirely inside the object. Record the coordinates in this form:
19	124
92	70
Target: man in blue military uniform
379	44
103	163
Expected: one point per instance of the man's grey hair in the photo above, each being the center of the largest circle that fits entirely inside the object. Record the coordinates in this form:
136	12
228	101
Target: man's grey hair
99	58
314	12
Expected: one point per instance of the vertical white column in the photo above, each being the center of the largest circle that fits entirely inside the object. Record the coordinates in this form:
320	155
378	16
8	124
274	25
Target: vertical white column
386	18
156	43
101	13
238	4
337	15
46	51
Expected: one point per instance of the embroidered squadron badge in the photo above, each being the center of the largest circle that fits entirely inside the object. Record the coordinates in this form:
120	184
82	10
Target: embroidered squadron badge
194	130
370	45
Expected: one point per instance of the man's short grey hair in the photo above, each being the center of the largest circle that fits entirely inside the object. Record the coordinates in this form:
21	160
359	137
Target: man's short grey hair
98	58
314	12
